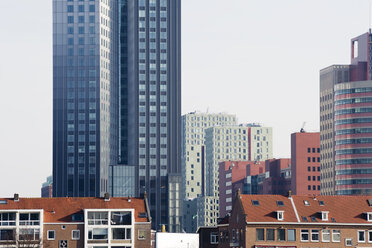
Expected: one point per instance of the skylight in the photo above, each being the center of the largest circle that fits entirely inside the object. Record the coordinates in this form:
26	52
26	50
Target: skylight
255	203
279	203
313	219
306	203
321	203
304	218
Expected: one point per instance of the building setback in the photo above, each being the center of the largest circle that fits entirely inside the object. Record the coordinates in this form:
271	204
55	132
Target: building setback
86	222
305	163
260	221
344	122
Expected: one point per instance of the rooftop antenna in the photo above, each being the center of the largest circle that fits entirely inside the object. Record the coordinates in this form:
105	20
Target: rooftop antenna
369	23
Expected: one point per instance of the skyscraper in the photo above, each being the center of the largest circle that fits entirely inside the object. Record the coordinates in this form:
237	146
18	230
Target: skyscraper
117	100
85	96
345	122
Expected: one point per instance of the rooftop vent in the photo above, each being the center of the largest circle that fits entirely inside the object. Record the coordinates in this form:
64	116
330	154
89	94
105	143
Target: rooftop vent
16	197
107	196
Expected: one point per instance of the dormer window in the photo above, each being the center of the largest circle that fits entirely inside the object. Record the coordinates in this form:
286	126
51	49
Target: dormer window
324	215
369	216
280	215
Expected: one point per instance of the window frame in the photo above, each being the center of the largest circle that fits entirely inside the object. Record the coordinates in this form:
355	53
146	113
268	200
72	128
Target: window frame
314	231
323	233
369	240
215	235
258	229
294	231
267	234
337	232
364	235
305	231
72	234
144	232
51	231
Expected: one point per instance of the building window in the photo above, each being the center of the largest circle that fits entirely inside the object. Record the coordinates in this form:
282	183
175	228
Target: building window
51	235
326	235
281	234
260	234
304	235
324	215
361	236
214	238
348	242
280	215
270	234
141	234
291	235
98	234
336	236
75	234
315	235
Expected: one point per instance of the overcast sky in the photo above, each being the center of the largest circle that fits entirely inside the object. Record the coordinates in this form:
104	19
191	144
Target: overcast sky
258	59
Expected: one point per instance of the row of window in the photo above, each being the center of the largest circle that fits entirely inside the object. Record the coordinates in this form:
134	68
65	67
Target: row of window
309	159
313	150
354	151
354	100
352	91
353	131
353	121
75	234
306	235
354	141
81	8
353	111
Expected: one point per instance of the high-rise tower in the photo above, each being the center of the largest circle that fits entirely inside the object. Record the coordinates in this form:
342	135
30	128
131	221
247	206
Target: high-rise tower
117	100
85	96
346	123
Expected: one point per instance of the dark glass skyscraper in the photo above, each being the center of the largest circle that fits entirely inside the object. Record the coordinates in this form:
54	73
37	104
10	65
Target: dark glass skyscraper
117	100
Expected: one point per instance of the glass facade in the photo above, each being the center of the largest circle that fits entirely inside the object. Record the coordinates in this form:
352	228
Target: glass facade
84	96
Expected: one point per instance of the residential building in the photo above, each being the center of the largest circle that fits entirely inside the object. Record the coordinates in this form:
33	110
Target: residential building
117	100
208	236
335	78
47	187
193	158
232	176
277	178
305	163
225	143
298	221
86	222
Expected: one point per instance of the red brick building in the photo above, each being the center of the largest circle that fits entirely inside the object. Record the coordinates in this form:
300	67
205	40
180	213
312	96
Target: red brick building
75	222
298	221
305	164
232	175
278	179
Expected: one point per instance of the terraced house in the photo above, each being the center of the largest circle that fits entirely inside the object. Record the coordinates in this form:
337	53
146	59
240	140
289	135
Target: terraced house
298	221
75	222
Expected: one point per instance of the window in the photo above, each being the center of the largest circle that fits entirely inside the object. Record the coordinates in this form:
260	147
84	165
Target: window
255	203
281	234
314	235
97	218
324	215
361	236
306	203
7	219
370	236
326	235
280	215
348	242
279	203
7	234
214	238
75	234
29	219
291	235
260	234
336	236
270	234
51	234
121	218
304	235
369	216
141	234
29	234
98	233
121	233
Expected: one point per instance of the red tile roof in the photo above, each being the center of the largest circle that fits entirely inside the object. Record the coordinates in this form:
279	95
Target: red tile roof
341	209
61	209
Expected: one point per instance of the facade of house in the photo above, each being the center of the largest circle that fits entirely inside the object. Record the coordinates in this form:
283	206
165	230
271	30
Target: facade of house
75	222
298	221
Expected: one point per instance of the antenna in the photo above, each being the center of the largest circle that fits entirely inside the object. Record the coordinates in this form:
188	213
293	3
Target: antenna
369	23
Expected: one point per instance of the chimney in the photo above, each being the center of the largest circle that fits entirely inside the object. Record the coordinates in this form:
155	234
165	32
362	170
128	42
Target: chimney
107	196
16	197
290	194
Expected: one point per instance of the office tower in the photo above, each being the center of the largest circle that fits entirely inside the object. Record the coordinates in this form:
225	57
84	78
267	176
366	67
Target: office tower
117	101
47	187
85	96
344	122
193	158
305	163
154	105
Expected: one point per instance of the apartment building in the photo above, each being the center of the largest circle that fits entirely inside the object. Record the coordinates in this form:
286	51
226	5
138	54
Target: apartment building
298	221
75	222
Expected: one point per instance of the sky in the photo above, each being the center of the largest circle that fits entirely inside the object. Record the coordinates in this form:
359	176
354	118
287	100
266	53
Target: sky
258	59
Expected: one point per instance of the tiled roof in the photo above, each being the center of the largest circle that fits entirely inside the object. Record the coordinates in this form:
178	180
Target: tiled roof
341	209
61	209
266	210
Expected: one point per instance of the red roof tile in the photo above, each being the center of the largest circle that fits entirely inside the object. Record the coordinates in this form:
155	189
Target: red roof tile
61	209
341	209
